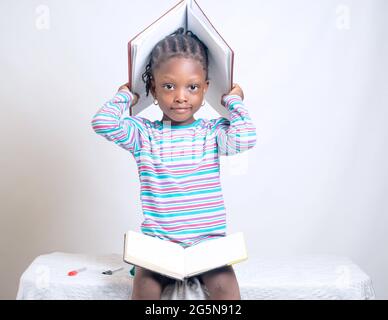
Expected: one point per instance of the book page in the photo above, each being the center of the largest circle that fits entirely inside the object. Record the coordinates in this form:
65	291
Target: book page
154	254
195	11
215	253
142	45
219	55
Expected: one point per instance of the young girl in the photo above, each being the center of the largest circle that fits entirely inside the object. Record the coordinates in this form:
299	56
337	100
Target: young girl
178	157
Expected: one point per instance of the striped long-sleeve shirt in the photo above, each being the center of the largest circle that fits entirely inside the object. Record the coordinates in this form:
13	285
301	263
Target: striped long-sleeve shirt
178	166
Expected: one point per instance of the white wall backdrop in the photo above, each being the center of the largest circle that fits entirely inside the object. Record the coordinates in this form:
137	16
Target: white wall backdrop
315	79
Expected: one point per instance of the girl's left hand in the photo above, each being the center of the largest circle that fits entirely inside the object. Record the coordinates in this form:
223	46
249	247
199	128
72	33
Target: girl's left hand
236	89
125	87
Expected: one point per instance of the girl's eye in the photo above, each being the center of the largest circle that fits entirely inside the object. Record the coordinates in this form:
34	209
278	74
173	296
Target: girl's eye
168	86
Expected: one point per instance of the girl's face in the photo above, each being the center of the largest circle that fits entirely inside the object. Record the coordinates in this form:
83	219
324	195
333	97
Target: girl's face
179	85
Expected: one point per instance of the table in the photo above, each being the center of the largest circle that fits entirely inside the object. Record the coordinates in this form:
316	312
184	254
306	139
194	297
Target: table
287	278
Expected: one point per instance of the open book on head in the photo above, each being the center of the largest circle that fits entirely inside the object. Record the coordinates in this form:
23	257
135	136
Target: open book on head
172	260
188	15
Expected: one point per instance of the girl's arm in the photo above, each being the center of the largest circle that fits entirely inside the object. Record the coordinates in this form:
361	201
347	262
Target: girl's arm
113	122
238	134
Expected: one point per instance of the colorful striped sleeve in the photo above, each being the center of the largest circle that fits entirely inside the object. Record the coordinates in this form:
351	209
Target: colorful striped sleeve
112	123
238	134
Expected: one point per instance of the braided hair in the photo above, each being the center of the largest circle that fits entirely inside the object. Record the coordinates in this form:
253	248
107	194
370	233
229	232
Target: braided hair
178	44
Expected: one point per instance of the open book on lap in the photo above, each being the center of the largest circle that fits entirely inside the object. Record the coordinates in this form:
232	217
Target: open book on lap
173	260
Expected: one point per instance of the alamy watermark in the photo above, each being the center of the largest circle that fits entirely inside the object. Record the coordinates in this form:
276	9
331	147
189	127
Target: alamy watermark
343	17
42	21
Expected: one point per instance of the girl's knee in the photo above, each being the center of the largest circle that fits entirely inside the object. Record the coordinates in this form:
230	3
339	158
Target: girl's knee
146	285
221	283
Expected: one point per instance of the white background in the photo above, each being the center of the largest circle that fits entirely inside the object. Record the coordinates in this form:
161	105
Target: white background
315	79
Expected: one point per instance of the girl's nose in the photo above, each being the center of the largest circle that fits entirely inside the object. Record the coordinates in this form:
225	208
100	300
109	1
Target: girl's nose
181	96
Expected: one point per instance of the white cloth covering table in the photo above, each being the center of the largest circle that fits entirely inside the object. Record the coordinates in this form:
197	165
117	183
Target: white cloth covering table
290	278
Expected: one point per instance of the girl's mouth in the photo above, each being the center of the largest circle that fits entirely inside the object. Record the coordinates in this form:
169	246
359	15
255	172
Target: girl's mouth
181	110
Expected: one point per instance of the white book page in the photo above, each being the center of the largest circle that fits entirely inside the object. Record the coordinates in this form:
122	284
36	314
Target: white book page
143	45
155	253
215	253
196	12
219	56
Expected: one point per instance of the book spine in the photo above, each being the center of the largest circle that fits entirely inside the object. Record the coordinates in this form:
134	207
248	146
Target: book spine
186	12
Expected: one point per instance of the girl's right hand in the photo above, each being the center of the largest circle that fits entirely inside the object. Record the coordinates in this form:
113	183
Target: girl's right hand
236	89
125	87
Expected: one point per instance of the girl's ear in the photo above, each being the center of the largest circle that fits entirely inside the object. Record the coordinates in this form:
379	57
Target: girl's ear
152	88
206	86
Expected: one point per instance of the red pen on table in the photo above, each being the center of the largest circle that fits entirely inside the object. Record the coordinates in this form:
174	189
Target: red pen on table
75	272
